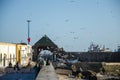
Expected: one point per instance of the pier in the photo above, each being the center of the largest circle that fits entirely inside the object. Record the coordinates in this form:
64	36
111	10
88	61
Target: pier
47	73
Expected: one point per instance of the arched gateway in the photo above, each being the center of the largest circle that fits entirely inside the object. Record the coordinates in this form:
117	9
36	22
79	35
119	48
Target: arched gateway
43	44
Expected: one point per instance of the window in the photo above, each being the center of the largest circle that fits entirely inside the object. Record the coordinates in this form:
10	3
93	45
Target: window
1	57
10	57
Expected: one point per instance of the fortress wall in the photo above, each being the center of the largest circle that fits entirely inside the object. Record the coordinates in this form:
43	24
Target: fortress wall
97	56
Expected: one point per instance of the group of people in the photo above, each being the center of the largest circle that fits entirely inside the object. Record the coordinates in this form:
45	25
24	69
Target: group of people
42	62
17	66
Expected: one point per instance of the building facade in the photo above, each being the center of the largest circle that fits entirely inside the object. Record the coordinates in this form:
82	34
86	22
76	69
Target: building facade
14	53
23	53
45	43
7	54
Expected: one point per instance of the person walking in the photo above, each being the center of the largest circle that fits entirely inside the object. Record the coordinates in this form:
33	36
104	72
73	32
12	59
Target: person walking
44	61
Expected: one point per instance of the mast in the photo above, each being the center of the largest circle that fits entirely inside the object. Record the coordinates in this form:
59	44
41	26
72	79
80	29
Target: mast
28	31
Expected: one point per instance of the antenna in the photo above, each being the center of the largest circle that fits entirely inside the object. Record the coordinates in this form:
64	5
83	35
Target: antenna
28	31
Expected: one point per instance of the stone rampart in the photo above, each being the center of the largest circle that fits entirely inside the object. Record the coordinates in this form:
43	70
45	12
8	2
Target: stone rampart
97	56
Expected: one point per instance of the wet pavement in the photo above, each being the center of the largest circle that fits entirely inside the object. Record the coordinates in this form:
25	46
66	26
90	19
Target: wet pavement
31	75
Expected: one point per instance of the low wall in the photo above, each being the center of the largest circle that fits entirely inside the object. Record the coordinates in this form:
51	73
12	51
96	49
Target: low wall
112	68
47	73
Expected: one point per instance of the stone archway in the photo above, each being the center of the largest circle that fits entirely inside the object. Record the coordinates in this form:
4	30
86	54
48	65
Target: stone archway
43	44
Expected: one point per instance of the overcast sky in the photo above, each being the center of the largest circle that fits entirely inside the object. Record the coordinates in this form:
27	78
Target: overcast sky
71	24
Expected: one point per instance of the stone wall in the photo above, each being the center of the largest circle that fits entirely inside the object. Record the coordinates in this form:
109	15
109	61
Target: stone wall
97	56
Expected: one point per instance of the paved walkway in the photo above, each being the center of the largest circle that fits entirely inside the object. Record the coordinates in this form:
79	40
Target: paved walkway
47	73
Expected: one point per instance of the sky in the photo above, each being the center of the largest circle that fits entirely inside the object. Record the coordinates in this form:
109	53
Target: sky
71	24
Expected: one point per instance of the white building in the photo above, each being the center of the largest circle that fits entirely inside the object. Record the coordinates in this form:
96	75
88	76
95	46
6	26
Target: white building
7	54
14	53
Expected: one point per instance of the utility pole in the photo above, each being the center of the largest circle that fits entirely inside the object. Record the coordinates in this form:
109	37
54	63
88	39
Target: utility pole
28	31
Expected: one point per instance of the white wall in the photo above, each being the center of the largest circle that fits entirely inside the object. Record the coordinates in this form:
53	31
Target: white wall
7	49
25	50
